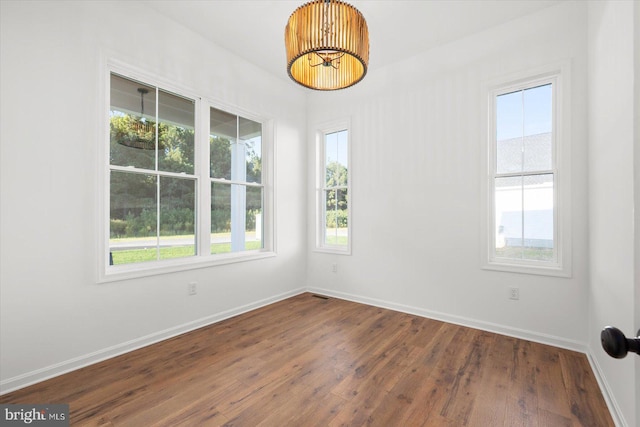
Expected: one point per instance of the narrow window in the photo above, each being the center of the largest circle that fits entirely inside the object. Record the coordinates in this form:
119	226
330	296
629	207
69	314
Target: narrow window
333	191
524	195
524	175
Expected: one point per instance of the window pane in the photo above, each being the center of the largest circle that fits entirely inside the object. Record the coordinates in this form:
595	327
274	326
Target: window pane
509	156
537	152
222	133
538	217
524	217
343	154
177	218
220	218
537	128
236	218
508	216
336	159
336	217
509	118
253	232
176	132
251	135
523	130
509	115
537	110
132	123
133	218
330	157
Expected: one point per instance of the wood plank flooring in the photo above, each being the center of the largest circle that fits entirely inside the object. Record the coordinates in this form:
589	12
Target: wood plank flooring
307	361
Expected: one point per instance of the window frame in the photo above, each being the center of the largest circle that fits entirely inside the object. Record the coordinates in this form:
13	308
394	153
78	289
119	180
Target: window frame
266	183
322	131
202	258
557	75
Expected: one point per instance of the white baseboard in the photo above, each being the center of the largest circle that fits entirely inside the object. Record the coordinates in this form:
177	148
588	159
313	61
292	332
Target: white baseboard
614	409
38	375
460	320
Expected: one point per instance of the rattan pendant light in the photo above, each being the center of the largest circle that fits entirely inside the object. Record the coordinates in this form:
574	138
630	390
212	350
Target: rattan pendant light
327	44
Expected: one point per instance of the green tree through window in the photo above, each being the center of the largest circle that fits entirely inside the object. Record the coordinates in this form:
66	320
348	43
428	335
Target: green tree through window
335	191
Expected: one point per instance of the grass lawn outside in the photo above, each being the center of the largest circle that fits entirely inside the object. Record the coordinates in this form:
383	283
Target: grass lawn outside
536	254
337	240
221	244
336	236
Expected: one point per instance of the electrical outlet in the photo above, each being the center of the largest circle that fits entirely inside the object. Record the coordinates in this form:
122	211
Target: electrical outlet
192	288
334	268
514	293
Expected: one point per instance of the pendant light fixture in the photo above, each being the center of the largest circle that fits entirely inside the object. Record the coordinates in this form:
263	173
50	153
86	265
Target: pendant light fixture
327	43
140	133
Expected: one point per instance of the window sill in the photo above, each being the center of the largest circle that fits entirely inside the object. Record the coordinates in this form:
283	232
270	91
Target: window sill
540	270
334	251
135	271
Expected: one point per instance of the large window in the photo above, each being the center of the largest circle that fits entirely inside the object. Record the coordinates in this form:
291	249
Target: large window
152	181
177	195
524	194
332	189
236	182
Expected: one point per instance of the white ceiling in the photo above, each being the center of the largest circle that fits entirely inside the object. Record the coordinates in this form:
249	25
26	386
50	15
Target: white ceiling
398	29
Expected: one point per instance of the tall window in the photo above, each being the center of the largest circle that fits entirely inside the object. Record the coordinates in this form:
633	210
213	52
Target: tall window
523	190
333	191
152	181
235	167
173	201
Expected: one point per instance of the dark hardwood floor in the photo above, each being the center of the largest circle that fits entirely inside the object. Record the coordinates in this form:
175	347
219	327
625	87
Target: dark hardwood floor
308	361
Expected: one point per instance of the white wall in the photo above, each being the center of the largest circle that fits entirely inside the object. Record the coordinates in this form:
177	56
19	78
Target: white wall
611	191
53	315
417	158
636	187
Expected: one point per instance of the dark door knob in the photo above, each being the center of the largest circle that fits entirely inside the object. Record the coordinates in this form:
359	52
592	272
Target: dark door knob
616	344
